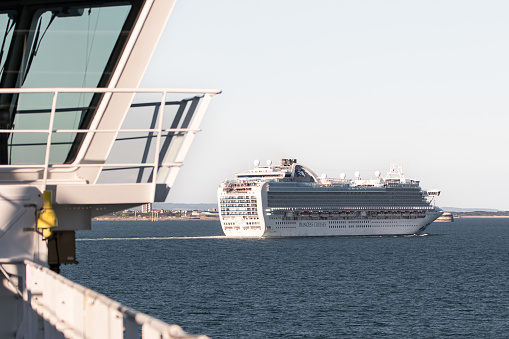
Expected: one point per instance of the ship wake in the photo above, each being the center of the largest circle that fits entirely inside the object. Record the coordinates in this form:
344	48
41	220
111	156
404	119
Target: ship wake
153	238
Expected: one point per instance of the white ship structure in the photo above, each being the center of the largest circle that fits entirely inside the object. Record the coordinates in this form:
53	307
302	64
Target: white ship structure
291	200
79	139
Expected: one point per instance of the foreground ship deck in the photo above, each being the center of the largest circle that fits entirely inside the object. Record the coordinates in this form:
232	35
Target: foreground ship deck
290	200
79	139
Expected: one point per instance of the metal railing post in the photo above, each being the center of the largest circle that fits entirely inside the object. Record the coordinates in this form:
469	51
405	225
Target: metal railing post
48	142
158	140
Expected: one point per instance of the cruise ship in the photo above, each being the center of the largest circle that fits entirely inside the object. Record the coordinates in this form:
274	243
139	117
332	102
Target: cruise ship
289	199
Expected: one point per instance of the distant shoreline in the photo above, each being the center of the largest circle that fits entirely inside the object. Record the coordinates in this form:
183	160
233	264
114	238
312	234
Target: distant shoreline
109	218
480	216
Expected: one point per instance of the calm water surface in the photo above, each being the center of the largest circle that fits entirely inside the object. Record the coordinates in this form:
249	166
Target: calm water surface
452	282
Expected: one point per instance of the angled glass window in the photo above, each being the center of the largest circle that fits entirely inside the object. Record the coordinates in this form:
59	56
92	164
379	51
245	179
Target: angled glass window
6	31
66	46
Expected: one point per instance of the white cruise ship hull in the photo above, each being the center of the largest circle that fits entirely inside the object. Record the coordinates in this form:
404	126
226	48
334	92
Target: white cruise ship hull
332	228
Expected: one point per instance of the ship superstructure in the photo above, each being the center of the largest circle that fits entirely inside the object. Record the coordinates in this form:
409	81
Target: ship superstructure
289	199
79	139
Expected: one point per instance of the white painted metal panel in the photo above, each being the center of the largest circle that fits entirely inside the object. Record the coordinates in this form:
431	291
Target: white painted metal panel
69	309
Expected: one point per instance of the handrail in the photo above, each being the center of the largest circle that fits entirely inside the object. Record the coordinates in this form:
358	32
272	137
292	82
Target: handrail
110	90
159	133
80	312
89	130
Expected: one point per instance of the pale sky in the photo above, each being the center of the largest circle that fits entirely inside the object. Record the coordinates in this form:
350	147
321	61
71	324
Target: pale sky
346	86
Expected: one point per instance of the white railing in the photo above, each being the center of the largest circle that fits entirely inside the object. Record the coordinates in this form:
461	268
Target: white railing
73	311
155	132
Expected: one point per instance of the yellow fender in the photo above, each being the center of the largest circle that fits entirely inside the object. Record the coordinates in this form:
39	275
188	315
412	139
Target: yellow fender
47	218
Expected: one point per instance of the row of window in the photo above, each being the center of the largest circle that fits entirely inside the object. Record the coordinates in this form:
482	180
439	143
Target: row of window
367	226
348	205
351	208
244	227
238	213
237	205
353	218
379	194
237	197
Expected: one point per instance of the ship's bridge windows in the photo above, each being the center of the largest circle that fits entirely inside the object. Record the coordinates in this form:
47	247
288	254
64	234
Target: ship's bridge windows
68	46
7	24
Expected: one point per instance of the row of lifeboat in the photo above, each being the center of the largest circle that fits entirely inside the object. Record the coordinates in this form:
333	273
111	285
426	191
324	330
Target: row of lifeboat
418	213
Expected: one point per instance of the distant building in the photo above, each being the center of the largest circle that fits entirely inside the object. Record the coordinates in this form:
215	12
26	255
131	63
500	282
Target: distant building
146	208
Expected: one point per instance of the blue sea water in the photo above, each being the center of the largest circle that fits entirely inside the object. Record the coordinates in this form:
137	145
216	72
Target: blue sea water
451	282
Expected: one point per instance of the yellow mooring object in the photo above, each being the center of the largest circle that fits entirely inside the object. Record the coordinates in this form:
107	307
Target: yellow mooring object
47	219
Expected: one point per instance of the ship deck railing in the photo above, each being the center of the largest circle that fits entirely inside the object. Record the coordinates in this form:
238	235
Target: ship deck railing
150	143
55	307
